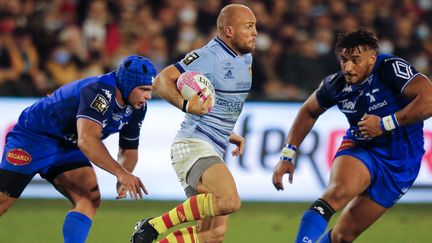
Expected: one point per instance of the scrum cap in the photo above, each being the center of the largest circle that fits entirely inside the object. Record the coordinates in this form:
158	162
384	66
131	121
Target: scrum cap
134	71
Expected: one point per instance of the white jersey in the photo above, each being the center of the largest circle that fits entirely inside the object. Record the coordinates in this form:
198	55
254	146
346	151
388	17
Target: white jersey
231	76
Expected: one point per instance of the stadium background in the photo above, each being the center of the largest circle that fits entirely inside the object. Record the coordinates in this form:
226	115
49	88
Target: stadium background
45	44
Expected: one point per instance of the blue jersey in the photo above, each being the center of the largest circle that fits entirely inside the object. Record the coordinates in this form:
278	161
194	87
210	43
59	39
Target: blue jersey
380	94
231	77
92	98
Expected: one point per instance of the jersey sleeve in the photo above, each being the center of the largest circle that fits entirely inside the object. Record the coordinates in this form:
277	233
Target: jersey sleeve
95	102
398	73
325	93
199	60
130	133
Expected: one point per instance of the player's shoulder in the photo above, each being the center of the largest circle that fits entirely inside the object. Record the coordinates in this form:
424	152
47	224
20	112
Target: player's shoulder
391	65
333	80
388	60
103	81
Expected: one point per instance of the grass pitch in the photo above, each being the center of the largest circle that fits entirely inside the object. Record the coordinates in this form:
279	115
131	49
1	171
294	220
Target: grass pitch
40	221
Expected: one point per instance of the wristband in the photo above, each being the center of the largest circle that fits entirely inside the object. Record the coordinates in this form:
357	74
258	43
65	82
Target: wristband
288	152
185	104
389	123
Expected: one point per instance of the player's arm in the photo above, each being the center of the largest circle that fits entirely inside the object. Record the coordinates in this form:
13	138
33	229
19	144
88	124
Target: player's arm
303	123
128	158
419	109
165	85
419	91
239	142
90	143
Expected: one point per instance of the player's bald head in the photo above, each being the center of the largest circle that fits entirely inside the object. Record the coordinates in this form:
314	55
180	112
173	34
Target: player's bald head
229	14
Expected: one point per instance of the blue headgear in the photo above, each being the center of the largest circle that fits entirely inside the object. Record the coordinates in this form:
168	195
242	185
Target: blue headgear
134	71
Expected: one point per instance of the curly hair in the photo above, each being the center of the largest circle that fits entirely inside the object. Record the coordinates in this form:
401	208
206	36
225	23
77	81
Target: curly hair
356	39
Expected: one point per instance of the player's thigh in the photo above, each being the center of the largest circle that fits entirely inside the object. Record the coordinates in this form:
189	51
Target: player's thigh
5	202
213	229
79	183
349	177
218	180
357	216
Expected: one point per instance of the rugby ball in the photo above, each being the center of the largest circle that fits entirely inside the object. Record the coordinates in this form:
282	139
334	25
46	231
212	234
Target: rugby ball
190	83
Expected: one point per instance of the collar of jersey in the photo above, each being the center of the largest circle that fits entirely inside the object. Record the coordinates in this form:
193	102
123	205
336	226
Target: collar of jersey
225	47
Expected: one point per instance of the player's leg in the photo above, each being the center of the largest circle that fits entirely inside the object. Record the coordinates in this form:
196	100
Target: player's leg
12	184
222	198
18	165
184	235
78	183
356	217
212	230
388	185
349	177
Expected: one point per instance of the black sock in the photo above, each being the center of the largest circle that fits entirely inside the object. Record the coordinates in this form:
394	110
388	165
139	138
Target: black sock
323	208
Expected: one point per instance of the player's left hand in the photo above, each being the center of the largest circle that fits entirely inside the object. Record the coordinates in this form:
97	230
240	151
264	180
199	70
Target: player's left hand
239	142
121	191
282	168
369	126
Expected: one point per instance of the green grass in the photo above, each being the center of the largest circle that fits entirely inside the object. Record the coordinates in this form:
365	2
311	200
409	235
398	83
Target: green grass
40	221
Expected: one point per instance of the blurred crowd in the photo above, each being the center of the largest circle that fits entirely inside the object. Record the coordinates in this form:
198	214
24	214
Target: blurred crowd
47	43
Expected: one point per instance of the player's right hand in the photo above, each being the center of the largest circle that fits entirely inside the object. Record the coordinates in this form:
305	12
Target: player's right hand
282	168
196	106
127	183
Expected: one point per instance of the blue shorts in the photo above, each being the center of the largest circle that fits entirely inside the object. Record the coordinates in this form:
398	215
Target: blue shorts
26	154
388	182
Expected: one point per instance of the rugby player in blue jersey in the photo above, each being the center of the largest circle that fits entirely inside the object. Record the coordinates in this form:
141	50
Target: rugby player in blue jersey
385	100
60	134
202	140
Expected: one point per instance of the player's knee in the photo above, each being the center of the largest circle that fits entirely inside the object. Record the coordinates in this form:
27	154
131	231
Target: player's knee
229	204
336	196
96	201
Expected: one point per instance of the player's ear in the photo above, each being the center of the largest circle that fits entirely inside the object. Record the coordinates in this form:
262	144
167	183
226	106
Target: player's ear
228	31
372	58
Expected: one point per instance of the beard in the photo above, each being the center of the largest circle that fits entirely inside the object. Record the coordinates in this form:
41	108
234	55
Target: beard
243	48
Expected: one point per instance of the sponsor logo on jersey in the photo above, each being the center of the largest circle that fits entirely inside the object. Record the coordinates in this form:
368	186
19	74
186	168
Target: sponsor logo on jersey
100	104
18	157
190	57
371	96
346	144
230	105
347	106
107	93
229	75
122	124
402	70
243	85
377	105
117	116
347	88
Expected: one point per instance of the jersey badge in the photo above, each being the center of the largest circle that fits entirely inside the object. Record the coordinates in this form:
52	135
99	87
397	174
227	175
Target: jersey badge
190	57
128	111
100	104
